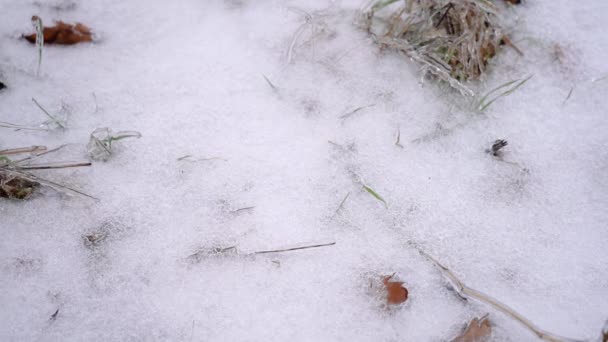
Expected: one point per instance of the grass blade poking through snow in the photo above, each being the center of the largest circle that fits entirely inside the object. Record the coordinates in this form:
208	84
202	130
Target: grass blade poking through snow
375	194
53	119
100	142
37	22
512	86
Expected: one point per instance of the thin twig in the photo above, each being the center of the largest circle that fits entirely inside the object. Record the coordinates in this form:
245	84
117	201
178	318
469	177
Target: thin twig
467	292
352	112
52	166
22	150
294	249
449	7
38	155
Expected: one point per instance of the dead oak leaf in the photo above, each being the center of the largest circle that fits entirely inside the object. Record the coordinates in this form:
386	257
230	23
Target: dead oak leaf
396	292
64	34
478	330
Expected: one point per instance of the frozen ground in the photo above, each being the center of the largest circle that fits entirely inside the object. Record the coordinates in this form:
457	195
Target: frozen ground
189	76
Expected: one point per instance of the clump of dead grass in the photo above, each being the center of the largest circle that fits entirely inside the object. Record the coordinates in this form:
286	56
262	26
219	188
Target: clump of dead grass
16	178
452	40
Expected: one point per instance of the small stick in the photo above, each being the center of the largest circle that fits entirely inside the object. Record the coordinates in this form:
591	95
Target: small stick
449	7
38	155
295	248
22	150
50	166
467	292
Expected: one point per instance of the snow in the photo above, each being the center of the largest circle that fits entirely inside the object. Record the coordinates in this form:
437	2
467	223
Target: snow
189	75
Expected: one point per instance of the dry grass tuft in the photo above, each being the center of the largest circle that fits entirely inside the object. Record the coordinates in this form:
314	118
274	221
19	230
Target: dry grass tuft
16	179
452	39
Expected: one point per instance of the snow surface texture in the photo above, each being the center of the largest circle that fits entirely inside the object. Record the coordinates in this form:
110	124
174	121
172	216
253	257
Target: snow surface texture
189	75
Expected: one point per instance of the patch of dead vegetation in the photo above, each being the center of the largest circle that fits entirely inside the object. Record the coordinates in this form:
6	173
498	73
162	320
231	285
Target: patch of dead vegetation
453	40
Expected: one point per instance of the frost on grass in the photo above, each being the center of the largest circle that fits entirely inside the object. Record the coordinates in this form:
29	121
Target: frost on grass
452	40
16	178
100	142
479	213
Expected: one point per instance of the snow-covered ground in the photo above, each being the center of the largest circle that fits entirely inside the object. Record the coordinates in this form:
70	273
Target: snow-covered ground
530	230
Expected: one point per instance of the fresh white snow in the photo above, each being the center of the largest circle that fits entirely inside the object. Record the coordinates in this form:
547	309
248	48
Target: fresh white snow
189	75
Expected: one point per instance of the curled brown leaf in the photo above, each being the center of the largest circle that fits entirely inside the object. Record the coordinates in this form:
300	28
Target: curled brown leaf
478	330
396	292
64	34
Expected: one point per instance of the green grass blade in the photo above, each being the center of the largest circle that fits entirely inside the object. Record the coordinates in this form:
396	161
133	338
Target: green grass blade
483	99
506	93
375	194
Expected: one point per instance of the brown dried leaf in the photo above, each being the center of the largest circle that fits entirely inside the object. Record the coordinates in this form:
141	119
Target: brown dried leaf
64	34
478	330
396	292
